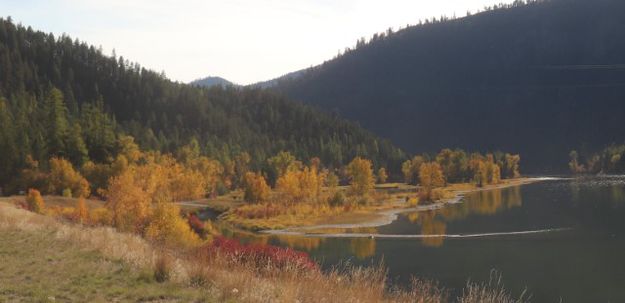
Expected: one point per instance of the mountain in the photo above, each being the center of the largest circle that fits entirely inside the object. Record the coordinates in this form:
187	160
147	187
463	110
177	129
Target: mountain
62	97
538	78
275	82
211	81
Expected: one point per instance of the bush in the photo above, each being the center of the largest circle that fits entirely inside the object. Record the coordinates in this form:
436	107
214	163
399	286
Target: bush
67	193
81	212
260	255
101	216
35	202
168	228
162	268
338	199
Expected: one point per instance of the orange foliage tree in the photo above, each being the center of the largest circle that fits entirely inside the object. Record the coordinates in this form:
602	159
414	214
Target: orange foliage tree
81	212
63	176
35	202
255	188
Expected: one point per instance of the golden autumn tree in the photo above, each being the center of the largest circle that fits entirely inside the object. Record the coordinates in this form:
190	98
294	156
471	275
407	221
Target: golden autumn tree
280	164
63	176
360	175
35	201
301	184
128	201
168	228
477	165
211	170
81	212
382	175
431	176
410	169
255	188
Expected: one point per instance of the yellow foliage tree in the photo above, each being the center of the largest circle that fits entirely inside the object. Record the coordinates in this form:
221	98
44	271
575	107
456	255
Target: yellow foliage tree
167	227
129	201
410	169
63	176
81	212
382	175
360	175
35	202
255	187
431	176
301	185
101	216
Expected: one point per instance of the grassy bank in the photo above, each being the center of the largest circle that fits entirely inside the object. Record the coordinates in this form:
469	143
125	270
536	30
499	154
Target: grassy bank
42	259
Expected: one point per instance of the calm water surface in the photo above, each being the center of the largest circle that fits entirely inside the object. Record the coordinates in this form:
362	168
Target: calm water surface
584	262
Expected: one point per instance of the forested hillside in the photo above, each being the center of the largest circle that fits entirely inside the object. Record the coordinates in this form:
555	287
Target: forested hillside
538	78
211	81
61	97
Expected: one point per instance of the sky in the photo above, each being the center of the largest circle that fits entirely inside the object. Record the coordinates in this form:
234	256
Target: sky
244	41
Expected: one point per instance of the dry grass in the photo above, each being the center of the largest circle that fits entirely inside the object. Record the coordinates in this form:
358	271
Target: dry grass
190	277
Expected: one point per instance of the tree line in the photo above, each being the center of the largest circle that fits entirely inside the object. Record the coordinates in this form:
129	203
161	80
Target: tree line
610	160
63	98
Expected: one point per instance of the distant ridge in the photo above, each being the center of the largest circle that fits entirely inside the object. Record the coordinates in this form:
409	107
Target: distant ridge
211	81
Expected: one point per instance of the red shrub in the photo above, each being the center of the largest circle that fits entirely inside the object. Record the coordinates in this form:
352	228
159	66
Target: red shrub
261	255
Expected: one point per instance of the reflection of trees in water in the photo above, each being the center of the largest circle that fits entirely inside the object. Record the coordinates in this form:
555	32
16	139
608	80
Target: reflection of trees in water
594	190
480	203
362	247
618	194
300	243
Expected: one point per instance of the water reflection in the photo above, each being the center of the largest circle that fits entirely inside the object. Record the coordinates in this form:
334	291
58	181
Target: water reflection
362	248
483	203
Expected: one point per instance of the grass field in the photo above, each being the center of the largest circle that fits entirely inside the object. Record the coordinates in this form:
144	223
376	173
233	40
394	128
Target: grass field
37	267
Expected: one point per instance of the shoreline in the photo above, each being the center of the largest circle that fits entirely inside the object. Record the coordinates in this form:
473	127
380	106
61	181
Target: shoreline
386	217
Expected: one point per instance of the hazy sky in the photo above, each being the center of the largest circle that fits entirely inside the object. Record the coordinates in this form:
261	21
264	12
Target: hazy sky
244	41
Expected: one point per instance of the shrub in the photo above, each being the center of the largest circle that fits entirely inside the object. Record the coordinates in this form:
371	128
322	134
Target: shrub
168	228
67	193
338	199
35	202
81	212
162	268
261	255
101	216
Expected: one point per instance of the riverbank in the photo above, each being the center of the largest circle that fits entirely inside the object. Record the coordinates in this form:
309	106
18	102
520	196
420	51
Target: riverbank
453	193
48	260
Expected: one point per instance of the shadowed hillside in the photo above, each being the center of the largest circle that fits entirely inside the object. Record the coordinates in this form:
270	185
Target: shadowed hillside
539	79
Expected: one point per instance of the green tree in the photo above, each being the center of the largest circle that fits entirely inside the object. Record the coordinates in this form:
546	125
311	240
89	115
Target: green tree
56	123
76	149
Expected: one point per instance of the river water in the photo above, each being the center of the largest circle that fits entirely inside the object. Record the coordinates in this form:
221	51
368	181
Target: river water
561	239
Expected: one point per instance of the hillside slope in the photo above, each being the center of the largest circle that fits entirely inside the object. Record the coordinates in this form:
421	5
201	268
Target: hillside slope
62	97
540	79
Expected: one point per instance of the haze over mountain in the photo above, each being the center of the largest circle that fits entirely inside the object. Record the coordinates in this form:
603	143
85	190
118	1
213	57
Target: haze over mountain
540	79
